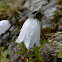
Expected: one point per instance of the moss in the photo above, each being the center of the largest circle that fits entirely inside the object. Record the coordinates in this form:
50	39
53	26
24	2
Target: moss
48	1
60	7
22	22
46	31
59	2
56	18
58	15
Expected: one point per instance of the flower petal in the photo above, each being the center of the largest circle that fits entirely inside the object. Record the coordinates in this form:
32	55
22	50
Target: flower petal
30	33
38	34
33	34
23	31
4	26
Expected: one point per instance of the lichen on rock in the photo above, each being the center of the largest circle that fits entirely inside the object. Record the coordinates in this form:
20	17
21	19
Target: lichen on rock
50	50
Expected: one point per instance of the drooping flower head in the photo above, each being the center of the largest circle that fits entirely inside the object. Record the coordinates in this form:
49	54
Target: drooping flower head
30	33
4	26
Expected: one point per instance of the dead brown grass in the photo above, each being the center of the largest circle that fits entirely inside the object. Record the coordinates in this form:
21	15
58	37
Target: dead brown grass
10	7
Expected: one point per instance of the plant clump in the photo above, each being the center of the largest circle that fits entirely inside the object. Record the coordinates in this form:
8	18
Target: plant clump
3	55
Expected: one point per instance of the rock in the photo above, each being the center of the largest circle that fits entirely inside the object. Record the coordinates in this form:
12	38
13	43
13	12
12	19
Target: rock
24	13
35	5
12	52
60	22
12	28
46	22
49	13
51	4
50	50
4	40
60	25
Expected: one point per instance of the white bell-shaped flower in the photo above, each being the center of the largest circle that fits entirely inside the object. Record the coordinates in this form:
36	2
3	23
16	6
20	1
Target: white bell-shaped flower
4	26
30	33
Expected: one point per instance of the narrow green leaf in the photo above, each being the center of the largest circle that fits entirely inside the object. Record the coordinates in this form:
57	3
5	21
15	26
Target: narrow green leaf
60	47
31	60
31	55
60	55
5	53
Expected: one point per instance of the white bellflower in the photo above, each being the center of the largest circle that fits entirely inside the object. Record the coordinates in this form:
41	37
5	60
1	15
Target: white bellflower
4	26
30	33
